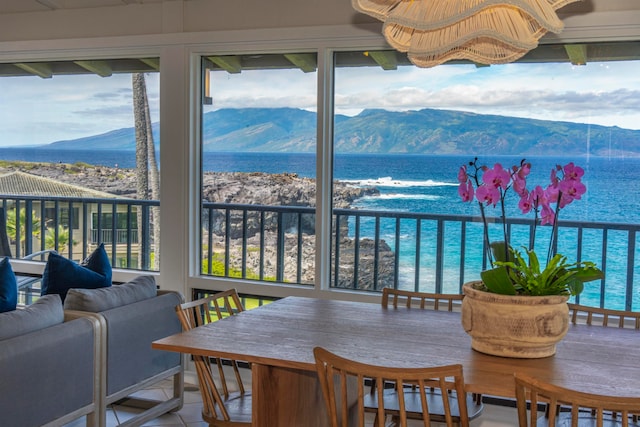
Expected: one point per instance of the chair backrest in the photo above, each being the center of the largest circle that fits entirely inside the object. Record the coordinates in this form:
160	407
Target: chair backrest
583	406
423	300
342	383
198	313
5	247
603	316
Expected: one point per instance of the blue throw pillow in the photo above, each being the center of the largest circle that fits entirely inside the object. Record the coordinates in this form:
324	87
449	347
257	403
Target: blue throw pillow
8	287
62	274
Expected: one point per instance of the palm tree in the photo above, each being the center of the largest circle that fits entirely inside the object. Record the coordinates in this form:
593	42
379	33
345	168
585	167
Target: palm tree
63	238
12	227
147	177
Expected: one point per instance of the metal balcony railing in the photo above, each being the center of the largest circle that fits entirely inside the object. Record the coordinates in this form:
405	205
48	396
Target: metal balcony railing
75	226
123	236
370	249
424	252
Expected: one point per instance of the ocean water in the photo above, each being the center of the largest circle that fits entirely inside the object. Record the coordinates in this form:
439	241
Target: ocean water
428	184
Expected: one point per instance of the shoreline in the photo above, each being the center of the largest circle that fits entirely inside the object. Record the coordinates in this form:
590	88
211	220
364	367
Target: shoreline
281	189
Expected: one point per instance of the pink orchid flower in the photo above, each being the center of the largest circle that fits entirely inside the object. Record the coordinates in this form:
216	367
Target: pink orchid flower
519	185
526	203
571	190
547	215
551	193
539	197
524	170
462	174
465	190
573	172
488	194
554	175
497	177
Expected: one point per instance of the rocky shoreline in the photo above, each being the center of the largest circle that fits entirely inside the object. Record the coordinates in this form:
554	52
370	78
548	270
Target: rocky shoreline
284	189
254	188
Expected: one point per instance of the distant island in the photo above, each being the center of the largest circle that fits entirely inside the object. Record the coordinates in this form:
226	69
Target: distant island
426	131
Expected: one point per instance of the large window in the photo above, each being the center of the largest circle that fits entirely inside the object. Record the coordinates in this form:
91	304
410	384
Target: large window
80	141
259	167
402	133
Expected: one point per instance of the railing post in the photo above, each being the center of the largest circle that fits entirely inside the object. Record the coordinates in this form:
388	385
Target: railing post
336	255
416	282
439	256
145	243
396	256
244	243
356	254
28	227
280	250
631	255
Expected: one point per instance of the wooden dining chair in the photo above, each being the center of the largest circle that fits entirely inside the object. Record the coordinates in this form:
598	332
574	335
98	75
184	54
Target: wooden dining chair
604	317
426	301
342	383
596	316
423	300
569	407
226	403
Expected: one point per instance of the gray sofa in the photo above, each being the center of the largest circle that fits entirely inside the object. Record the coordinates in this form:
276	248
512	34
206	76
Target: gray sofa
49	366
133	315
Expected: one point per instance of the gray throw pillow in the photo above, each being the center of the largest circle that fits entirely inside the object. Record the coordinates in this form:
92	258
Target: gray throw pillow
102	299
45	312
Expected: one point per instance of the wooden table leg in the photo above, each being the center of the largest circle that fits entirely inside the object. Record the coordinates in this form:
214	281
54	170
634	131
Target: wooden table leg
285	397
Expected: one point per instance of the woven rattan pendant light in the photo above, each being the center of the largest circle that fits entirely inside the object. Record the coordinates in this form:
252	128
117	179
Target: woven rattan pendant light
483	31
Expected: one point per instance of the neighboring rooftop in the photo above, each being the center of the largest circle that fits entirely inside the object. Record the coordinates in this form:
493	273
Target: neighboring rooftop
22	183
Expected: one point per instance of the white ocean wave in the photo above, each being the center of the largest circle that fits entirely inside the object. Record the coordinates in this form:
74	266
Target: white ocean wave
388	181
392	196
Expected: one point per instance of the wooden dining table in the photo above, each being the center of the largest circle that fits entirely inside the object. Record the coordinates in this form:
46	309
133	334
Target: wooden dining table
278	339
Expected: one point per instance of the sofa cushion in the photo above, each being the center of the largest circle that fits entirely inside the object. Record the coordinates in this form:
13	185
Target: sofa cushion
8	287
62	274
45	312
97	300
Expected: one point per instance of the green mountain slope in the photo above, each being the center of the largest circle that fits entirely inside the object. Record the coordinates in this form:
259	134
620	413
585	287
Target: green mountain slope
426	131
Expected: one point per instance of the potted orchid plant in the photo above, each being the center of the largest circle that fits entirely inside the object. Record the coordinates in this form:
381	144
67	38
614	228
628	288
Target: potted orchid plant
511	272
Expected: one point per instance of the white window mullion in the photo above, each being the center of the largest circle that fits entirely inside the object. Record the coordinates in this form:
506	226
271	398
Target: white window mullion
324	170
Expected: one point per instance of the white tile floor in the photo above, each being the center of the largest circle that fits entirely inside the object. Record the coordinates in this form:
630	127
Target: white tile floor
190	414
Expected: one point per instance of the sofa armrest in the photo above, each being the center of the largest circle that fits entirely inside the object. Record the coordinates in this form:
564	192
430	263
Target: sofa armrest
130	331
55	370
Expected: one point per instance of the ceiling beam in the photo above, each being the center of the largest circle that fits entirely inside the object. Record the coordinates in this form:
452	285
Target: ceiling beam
152	62
101	68
51	4
39	69
577	53
229	63
385	59
305	61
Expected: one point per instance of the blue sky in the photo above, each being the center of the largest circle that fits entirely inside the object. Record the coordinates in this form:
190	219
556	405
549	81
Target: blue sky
37	111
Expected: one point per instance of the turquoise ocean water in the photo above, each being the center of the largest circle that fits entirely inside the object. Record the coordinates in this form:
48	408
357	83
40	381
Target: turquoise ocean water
427	184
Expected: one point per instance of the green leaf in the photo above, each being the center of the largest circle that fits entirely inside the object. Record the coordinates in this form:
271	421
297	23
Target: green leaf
497	280
576	286
501	251
588	272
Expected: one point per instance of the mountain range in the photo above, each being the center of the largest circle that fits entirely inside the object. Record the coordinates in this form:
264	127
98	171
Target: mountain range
426	131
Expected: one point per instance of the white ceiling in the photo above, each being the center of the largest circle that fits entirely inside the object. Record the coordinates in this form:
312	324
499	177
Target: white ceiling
21	6
7	7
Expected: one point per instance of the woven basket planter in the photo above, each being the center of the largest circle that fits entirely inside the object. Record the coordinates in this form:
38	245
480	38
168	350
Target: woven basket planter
514	326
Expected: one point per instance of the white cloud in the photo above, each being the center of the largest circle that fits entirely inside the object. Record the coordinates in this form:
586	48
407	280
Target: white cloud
39	111
599	93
